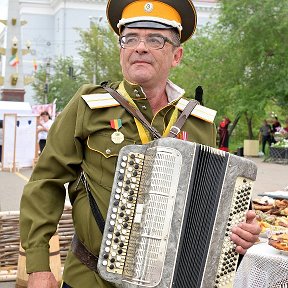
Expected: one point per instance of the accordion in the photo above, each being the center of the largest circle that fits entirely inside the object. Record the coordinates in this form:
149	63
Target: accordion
173	204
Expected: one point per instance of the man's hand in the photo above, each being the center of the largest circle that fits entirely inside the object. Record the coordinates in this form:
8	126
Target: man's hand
42	280
244	235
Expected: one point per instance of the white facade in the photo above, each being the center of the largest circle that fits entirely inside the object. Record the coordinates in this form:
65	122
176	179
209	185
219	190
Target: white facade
51	27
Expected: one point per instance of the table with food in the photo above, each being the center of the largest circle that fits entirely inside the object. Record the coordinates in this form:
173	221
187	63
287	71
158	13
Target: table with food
266	263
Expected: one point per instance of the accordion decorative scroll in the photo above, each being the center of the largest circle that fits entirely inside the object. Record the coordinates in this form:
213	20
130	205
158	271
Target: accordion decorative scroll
173	204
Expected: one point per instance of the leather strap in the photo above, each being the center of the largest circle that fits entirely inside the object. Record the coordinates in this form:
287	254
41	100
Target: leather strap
134	112
93	204
176	128
83	254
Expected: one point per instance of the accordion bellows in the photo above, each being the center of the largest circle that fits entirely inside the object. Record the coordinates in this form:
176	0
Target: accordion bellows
173	204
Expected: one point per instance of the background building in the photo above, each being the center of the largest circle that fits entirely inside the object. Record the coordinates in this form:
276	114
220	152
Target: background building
52	28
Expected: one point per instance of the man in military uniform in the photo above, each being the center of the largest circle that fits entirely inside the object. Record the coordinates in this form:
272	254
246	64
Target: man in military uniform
89	133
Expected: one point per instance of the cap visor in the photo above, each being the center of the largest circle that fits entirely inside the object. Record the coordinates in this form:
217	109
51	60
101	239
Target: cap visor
148	24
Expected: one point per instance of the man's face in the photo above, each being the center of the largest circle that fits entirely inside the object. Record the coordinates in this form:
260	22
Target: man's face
145	66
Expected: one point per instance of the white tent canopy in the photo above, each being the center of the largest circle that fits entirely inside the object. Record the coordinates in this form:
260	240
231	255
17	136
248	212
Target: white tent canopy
20	108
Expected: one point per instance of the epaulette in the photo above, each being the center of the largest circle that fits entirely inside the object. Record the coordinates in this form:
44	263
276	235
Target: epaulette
104	100
199	111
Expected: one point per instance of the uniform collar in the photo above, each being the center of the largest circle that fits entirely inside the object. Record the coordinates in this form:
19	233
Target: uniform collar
174	92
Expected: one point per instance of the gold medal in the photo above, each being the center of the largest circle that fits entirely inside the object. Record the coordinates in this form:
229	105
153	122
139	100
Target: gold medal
117	137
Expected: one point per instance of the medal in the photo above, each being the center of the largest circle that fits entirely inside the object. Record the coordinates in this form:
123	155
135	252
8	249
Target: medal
116	137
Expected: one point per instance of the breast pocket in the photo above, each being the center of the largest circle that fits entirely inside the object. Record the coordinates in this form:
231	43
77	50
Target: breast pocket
101	156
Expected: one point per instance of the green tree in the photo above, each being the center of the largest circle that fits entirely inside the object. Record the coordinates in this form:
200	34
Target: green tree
100	54
57	81
242	61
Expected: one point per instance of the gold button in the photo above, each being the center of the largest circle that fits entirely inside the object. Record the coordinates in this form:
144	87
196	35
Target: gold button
108	151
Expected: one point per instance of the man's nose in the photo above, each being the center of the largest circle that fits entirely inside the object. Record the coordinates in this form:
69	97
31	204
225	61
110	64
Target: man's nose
141	45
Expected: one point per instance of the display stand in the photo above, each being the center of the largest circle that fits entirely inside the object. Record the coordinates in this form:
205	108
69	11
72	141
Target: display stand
19	141
279	155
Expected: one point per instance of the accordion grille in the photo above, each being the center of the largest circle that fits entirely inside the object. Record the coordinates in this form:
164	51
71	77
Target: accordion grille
157	190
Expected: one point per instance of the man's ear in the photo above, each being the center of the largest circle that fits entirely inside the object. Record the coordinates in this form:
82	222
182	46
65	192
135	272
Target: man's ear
178	54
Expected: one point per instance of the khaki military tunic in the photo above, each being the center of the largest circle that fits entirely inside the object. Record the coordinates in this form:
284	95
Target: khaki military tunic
80	139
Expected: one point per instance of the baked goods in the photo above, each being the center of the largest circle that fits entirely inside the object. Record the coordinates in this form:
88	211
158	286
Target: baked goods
272	214
279	241
274	222
263	204
281	221
271	206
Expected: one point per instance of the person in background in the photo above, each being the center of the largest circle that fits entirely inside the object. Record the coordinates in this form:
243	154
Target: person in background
87	136
224	134
276	126
43	128
265	135
1	139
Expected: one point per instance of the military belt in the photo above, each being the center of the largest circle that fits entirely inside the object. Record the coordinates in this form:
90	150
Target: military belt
83	254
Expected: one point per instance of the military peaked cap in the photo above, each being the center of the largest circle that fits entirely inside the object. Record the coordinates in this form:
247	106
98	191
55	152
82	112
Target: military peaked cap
164	14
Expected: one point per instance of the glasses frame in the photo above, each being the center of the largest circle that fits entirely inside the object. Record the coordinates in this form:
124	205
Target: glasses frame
166	40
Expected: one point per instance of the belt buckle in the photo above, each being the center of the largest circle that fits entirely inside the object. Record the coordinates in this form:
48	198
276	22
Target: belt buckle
175	130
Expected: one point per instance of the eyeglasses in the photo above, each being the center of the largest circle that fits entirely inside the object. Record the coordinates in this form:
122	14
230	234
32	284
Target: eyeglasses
151	41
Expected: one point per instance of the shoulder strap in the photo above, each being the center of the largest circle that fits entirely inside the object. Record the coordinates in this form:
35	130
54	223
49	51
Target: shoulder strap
176	128
93	204
134	112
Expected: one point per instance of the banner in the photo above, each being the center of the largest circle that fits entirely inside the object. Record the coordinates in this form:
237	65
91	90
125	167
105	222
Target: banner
50	108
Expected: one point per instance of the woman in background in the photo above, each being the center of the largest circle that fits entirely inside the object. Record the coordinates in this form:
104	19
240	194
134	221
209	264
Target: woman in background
43	128
224	134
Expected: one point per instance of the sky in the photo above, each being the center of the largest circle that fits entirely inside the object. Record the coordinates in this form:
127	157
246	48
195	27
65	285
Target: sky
3	11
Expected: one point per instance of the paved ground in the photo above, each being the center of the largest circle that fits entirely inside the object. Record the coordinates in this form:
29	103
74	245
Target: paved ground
271	177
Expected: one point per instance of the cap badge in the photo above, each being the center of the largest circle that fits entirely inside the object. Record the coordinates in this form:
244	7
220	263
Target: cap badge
148	7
